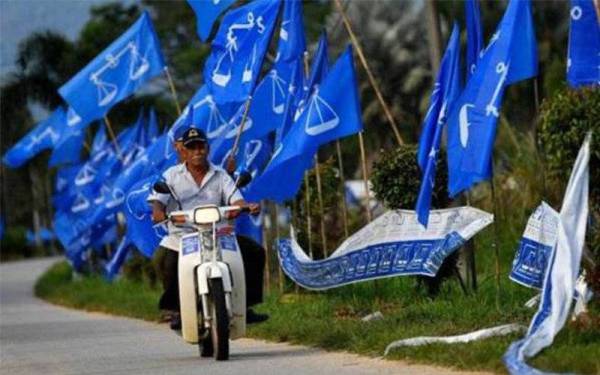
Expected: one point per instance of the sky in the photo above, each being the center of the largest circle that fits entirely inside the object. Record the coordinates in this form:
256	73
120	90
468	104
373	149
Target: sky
19	18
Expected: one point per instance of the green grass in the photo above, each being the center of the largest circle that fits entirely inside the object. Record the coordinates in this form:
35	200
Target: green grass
93	293
331	320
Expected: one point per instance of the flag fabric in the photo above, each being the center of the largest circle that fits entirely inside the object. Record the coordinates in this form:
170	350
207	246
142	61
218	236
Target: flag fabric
250	226
318	72
535	248
68	150
332	112
112	268
562	270
510	56
238	50
474	35
207	13
117	72
445	91
142	232
401	247
267	108
44	136
583	61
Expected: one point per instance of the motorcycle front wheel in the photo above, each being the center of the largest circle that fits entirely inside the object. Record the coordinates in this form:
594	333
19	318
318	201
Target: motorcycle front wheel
220	321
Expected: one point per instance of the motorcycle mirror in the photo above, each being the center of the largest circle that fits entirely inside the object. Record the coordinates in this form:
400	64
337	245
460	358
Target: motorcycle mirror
243	179
162	187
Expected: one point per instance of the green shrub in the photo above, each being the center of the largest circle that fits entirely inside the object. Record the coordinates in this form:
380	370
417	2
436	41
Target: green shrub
14	244
396	179
565	118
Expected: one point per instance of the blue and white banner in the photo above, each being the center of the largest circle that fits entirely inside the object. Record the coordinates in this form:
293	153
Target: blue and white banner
562	270
117	72
583	60
231	70
395	244
535	248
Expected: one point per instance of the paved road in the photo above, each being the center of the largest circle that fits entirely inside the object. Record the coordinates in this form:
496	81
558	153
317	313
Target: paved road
39	338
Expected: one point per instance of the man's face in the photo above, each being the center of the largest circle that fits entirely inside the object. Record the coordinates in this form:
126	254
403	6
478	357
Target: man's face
196	154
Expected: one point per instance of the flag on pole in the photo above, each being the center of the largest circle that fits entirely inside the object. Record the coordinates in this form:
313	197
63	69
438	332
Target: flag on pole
445	91
332	112
207	13
474	35
583	61
233	66
45	135
510	56
561	272
117	72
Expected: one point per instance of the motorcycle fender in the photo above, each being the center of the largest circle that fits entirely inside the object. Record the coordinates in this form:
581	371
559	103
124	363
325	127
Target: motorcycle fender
217	270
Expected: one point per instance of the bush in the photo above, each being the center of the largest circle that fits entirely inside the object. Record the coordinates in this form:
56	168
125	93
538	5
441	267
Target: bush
396	179
14	245
565	118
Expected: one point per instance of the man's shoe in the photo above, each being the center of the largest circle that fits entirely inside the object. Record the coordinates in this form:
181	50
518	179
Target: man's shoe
252	317
175	322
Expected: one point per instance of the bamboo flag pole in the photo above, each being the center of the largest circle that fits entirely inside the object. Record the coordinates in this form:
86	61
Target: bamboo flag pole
343	187
495	245
113	137
265	244
321	205
236	143
276	224
173	92
363	158
308	218
363	60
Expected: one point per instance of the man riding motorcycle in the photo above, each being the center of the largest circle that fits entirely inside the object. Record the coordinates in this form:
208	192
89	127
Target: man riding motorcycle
196	182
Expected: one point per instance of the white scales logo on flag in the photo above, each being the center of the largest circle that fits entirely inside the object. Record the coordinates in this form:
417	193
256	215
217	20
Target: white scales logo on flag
222	78
216	121
81	204
38	138
72	117
138	66
326	116
133	195
278	85
85	175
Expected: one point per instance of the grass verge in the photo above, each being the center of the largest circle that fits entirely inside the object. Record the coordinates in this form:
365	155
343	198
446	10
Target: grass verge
332	320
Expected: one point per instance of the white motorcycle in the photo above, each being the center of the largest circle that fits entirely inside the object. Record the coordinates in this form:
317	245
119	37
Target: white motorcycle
212	287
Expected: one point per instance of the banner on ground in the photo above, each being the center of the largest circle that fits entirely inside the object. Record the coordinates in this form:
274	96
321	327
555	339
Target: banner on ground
395	244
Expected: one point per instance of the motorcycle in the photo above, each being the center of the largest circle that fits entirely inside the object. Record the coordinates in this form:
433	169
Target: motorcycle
212	287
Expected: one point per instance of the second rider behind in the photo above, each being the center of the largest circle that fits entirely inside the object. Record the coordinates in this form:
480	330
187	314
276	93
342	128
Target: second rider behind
197	182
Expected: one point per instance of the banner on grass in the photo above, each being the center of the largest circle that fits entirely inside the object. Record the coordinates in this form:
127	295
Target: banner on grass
395	244
535	248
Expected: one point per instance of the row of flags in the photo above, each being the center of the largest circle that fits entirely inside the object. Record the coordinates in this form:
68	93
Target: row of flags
470	114
290	115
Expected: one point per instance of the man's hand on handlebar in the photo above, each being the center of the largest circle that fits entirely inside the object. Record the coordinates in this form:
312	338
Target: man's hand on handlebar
251	208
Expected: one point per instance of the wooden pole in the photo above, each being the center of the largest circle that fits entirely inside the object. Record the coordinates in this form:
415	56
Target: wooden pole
308	217
113	137
267	254
321	205
365	65
342	187
236	143
363	159
173	92
495	245
279	270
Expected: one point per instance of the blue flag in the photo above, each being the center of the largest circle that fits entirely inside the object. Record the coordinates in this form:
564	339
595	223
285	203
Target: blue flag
238	50
510	56
207	12
332	112
111	269
474	35
318	71
583	62
68	150
269	99
43	136
100	139
140	230
117	72
445	92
